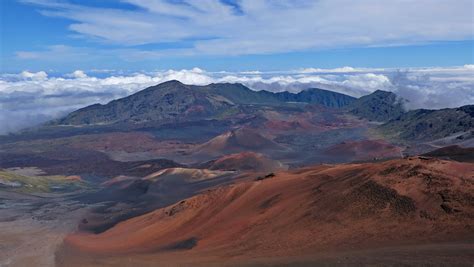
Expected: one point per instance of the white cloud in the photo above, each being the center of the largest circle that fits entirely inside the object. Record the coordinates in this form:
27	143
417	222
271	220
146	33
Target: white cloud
78	74
260	27
41	75
469	66
367	82
33	97
251	72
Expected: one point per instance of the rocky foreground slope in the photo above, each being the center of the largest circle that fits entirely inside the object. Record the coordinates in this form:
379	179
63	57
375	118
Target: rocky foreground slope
406	209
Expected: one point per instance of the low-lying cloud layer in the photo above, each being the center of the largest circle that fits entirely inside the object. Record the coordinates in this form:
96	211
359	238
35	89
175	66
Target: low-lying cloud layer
30	98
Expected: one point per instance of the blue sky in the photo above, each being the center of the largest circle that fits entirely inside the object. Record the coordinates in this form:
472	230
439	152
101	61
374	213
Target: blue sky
134	35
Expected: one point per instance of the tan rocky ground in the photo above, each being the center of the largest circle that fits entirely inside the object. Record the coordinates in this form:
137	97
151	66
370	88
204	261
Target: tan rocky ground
33	228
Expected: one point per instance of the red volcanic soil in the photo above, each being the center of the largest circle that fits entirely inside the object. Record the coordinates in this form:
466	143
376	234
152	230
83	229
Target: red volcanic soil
284	125
236	141
363	150
316	119
245	161
414	207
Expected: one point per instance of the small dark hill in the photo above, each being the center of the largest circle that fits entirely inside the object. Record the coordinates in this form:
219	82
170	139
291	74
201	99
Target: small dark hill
465	154
92	165
124	197
378	106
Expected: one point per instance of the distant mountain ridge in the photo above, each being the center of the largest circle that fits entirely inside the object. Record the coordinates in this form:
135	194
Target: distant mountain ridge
174	101
319	96
425	124
413	125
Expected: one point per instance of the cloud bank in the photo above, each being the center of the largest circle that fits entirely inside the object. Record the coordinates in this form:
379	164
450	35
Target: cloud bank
30	98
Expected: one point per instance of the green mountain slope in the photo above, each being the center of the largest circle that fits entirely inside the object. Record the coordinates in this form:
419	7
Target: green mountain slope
317	96
378	106
173	101
423	124
169	101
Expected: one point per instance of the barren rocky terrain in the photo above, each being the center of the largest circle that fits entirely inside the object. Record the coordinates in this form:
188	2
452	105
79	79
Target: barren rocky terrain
222	175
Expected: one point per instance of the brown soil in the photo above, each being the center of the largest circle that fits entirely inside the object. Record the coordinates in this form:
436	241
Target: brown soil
357	213
245	161
239	140
364	150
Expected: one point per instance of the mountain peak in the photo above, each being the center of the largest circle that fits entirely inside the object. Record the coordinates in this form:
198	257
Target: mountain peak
164	85
172	82
317	89
383	93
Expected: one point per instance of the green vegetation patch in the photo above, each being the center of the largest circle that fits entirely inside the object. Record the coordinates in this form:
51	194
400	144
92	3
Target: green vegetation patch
40	184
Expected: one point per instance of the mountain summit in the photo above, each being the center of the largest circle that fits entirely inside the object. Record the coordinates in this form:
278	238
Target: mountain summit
168	101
